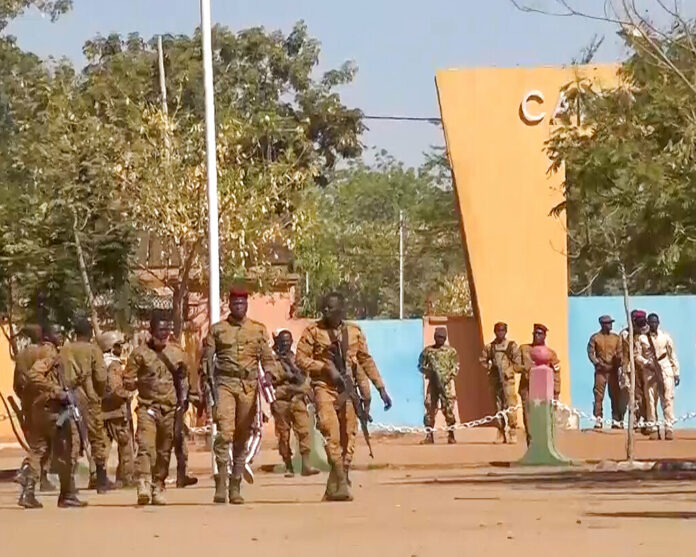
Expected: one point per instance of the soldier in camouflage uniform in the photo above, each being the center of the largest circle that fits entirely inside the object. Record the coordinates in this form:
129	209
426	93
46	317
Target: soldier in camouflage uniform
41	346
116	407
439	364
157	369
51	379
500	358
233	351
538	339
292	390
85	359
337	419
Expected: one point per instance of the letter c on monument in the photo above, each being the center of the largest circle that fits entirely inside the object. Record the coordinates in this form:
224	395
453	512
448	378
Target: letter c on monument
527	116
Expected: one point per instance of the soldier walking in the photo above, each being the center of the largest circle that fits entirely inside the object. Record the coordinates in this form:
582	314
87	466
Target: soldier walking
320	342
116	407
439	364
292	390
157	369
501	357
190	395
55	425
233	351
43	344
604	351
666	365
538	339
82	358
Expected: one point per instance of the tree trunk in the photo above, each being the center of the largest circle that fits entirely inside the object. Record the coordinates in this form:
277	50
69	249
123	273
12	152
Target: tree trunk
94	317
10	333
181	290
632	369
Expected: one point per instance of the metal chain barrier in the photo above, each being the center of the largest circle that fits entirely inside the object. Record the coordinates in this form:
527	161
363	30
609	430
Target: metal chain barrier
502	415
621	424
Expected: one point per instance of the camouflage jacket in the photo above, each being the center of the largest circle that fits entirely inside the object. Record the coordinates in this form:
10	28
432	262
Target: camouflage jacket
314	354
152	377
86	360
444	361
236	349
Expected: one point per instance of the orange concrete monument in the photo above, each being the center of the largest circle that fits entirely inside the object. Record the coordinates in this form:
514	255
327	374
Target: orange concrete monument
496	122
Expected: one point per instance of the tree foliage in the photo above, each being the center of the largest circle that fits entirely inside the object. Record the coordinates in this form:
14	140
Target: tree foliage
352	241
630	183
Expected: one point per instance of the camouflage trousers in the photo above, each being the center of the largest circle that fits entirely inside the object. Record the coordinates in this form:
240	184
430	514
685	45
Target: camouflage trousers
96	433
155	436
235	415
505	396
291	415
46	435
118	430
339	426
433	402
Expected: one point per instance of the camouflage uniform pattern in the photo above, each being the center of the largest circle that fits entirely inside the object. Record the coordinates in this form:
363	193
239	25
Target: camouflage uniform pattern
43	378
115	408
337	425
156	408
238	348
290	409
444	362
87	360
526	365
501	360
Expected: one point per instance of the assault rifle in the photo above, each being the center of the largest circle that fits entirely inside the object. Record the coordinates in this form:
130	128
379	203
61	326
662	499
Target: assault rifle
338	351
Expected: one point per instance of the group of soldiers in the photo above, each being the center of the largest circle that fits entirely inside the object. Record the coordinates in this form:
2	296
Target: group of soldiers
502	359
656	372
76	399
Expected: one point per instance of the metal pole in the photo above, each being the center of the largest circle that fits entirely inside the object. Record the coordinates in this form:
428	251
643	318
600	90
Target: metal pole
401	264
213	251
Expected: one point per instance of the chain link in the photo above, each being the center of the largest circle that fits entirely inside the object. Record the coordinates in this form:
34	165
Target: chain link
615	423
501	415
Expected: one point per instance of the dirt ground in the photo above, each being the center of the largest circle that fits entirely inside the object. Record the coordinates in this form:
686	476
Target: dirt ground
411	500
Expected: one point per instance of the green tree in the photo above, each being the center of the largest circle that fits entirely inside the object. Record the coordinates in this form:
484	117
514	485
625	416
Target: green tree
352	241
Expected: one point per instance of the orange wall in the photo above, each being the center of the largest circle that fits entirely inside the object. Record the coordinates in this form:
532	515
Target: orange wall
6	374
516	252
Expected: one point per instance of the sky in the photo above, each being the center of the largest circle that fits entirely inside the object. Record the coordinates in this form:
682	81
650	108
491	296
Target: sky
398	45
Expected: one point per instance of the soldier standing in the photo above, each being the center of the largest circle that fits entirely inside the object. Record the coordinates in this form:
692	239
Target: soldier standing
538	339
156	369
644	375
82	358
501	357
439	364
664	362
53	421
41	346
233	351
116	407
336	414
292	390
604	351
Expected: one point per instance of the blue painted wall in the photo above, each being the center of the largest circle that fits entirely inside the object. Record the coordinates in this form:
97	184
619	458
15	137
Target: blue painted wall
678	317
395	345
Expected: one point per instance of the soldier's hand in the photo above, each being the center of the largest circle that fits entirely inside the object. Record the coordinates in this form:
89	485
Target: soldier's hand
63	397
335	376
677	380
386	399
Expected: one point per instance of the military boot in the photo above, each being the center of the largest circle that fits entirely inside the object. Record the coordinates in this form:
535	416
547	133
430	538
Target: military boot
235	491
158	494
220	487
307	468
331	485
68	493
429	439
22	474
450	438
182	479
144	489
289	470
92	484
45	484
342	488
28	498
103	483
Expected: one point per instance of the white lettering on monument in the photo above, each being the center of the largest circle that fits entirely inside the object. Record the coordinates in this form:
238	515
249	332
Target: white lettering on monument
530	116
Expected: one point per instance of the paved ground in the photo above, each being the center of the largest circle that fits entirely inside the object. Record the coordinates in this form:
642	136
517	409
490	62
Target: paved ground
413	500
